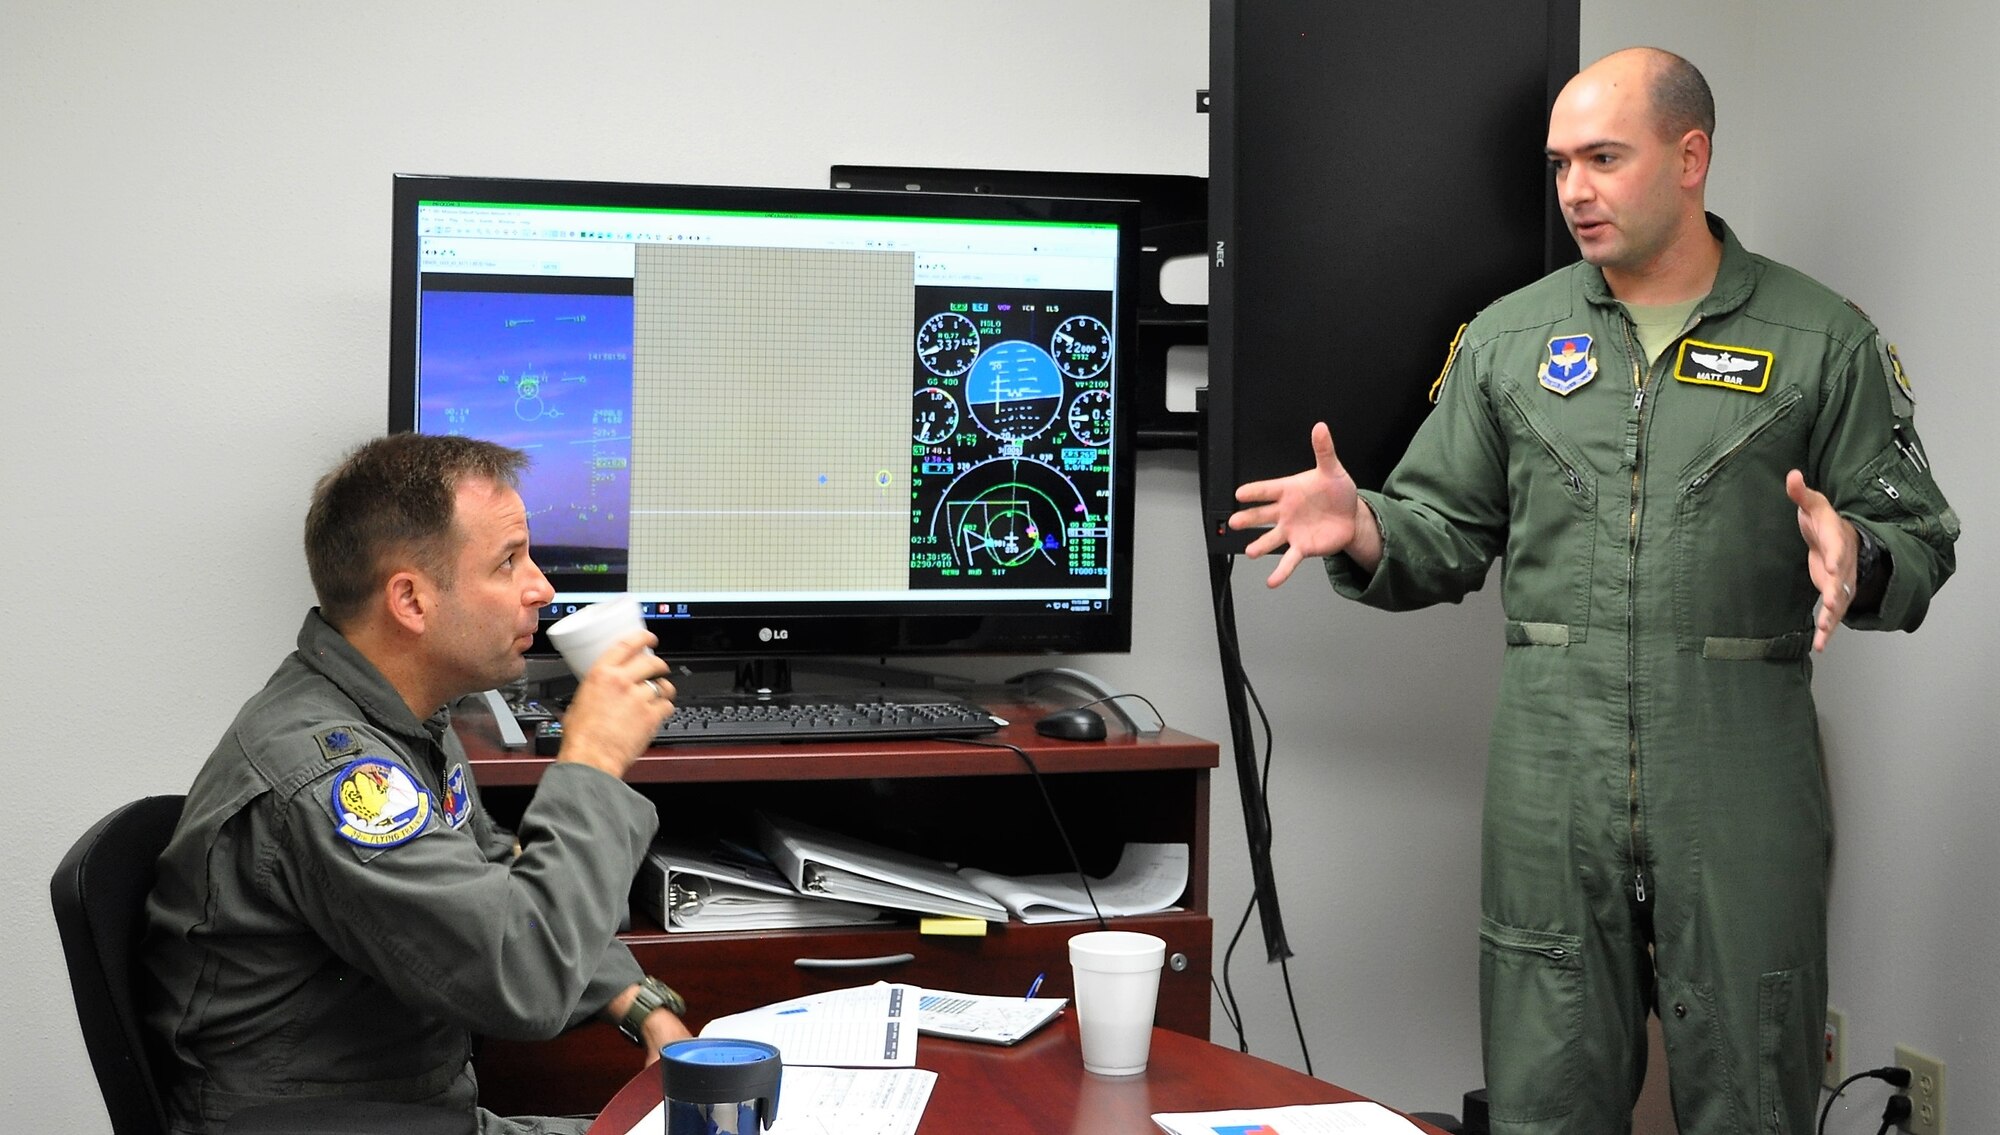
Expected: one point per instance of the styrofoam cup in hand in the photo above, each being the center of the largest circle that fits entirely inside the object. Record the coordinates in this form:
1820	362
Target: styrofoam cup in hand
1117	976
584	634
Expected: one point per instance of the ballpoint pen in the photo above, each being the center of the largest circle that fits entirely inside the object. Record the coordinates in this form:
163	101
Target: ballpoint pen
1034	987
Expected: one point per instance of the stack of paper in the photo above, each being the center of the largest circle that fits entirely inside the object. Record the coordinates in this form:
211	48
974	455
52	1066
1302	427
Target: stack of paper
869	1026
691	890
1358	1118
1149	878
822	863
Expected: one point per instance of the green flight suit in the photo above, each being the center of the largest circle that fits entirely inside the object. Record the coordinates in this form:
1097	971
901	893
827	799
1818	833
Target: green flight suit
1654	775
291	961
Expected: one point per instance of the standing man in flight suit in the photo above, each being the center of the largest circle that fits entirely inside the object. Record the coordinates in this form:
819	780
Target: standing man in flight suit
336	915
1693	464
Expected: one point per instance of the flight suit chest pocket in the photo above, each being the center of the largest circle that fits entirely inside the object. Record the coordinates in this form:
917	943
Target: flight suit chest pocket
1731	516
1551	531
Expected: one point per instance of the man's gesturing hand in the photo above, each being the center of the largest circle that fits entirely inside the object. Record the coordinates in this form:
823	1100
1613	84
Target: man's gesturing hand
1831	545
1314	513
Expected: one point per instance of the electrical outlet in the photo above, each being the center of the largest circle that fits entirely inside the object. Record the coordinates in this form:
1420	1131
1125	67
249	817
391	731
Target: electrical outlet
1836	1048
1926	1091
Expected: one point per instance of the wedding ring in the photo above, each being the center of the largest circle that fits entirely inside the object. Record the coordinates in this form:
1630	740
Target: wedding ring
1849	588
653	684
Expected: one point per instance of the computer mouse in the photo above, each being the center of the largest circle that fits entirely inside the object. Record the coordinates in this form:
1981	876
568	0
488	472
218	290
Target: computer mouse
1077	724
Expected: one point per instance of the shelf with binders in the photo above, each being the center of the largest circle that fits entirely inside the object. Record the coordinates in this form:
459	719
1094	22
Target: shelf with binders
960	804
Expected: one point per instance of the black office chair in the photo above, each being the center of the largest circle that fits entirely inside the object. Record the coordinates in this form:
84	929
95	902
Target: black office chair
99	892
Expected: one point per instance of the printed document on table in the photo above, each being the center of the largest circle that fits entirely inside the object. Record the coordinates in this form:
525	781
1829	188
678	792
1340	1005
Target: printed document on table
851	1101
1149	877
1358	1118
869	1026
989	1020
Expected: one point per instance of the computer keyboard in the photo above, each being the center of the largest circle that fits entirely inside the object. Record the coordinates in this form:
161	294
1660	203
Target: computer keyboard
709	718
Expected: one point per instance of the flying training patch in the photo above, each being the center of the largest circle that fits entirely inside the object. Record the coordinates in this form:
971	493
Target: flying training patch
377	804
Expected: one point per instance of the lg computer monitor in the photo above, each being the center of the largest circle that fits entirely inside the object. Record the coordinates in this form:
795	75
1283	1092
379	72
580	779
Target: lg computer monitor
790	421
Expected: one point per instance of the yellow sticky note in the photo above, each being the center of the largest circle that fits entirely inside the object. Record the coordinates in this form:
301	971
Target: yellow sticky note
954	927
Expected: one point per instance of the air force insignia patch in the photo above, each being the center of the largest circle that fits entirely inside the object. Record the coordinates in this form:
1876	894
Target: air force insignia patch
1712	364
1571	364
376	804
457	802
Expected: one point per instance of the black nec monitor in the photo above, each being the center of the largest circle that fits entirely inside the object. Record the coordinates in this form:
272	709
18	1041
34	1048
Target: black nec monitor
790	421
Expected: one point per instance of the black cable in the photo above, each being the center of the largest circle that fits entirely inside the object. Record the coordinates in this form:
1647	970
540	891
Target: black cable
1895	1111
1239	676
1894	1075
1157	715
1061	829
1230	1008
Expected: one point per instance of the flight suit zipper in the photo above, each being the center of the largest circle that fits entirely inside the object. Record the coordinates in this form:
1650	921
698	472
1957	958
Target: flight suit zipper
1642	378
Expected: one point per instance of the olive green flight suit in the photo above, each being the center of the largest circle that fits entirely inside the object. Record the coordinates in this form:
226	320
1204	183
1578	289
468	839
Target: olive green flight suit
1654	775
289	961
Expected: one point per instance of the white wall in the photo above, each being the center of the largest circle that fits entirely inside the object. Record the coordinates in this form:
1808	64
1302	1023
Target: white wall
180	373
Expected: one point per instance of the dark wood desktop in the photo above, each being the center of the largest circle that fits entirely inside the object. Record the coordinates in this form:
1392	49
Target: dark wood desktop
952	801
1039	1087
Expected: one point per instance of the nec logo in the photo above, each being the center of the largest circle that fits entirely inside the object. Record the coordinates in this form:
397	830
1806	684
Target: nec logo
768	634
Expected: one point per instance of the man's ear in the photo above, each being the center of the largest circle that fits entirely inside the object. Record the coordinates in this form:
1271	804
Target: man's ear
408	597
1695	149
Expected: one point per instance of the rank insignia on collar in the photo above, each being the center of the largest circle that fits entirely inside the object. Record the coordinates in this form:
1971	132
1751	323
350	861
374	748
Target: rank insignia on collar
377	804
457	802
1571	364
1714	364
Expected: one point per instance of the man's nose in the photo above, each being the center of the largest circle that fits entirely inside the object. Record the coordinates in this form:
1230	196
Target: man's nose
540	592
1572	185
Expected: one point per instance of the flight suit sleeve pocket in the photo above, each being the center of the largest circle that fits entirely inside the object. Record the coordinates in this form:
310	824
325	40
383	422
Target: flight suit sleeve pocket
1531	996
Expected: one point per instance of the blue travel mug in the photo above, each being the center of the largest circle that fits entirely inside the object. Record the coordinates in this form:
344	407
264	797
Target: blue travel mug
719	1087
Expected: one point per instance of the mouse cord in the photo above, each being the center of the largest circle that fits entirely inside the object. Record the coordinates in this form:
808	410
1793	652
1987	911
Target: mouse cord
1157	715
1061	830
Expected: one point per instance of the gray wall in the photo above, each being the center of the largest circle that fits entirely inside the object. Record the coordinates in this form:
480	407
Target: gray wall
194	320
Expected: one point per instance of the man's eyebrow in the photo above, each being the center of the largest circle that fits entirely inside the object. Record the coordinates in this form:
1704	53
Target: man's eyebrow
1587	147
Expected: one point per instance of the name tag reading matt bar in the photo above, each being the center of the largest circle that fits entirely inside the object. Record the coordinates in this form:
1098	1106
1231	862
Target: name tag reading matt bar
1714	364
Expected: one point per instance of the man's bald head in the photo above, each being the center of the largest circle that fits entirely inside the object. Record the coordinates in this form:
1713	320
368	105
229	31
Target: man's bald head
1677	96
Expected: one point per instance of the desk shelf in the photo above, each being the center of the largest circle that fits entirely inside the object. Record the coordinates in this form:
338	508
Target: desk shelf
951	801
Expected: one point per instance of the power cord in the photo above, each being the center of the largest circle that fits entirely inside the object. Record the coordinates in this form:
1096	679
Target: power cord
1261	843
1061	829
1896	1076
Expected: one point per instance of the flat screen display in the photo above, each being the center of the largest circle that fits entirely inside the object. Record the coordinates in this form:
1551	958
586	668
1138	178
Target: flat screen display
790	421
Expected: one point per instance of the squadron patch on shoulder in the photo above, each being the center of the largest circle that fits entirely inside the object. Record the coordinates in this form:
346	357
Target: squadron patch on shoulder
1902	399
457	802
1734	368
1571	364
1450	357
377	804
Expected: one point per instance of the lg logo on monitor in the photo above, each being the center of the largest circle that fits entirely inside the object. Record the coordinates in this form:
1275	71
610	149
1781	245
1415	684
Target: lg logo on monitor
768	634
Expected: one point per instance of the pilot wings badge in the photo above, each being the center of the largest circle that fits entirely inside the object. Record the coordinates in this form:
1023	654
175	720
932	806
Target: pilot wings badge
1570	365
1732	368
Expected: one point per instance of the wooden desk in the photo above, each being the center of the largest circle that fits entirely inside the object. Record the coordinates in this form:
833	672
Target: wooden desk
1039	1087
950	801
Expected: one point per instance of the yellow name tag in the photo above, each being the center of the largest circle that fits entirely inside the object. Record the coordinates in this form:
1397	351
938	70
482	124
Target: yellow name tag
1715	364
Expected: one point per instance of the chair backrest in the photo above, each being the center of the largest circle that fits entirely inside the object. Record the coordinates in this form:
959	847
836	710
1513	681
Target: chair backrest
99	892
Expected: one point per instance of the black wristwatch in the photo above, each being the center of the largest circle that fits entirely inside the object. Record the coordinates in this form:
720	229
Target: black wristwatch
1867	557
653	994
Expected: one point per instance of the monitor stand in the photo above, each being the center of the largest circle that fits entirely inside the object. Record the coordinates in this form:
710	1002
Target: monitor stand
773	676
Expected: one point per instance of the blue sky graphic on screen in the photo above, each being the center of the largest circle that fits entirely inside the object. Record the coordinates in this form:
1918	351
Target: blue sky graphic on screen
549	374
